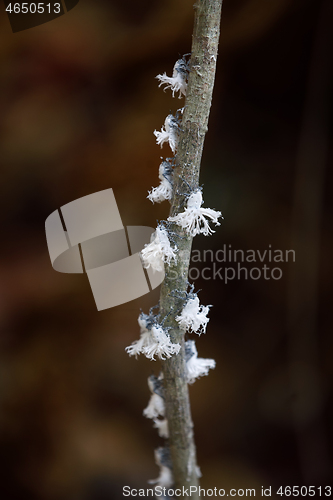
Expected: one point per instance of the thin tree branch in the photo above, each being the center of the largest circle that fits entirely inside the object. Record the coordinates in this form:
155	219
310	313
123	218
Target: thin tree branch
186	178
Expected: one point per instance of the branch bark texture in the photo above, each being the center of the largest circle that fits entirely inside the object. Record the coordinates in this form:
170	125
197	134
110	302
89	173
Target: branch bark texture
186	177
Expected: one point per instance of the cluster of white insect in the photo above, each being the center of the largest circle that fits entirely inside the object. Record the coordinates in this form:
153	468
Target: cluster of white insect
164	190
159	250
168	133
163	460
194	316
177	82
156	407
193	220
196	367
154	339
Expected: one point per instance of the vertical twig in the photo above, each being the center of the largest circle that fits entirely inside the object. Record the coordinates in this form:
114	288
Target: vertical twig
189	152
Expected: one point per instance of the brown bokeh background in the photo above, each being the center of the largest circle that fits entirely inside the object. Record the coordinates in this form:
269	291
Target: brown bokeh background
79	103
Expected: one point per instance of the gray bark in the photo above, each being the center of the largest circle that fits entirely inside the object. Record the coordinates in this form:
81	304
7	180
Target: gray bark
186	177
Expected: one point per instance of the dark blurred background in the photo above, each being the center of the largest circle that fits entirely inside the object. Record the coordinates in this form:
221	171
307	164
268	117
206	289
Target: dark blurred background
78	105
